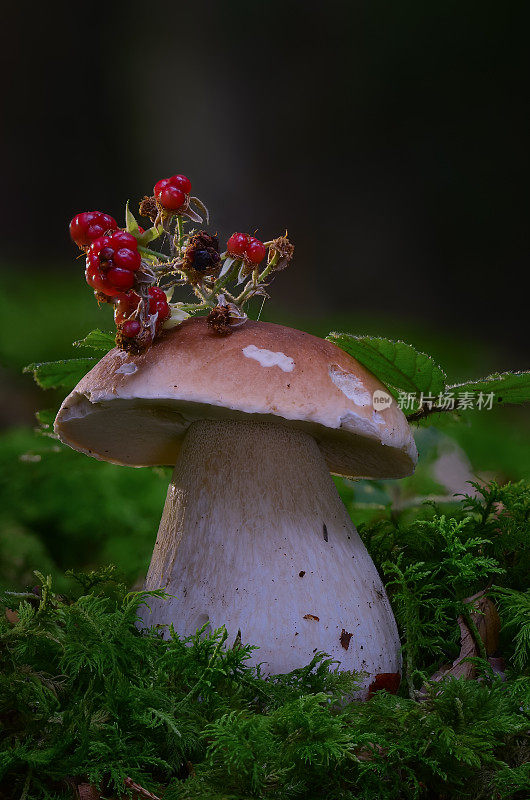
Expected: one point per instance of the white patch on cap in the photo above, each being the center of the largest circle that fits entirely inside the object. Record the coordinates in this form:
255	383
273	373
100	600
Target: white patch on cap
127	369
350	385
267	358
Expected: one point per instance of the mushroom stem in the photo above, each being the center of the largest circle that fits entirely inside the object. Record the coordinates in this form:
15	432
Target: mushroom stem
254	536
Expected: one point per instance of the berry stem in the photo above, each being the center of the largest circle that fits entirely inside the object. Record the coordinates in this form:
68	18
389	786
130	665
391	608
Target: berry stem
153	254
180	234
250	285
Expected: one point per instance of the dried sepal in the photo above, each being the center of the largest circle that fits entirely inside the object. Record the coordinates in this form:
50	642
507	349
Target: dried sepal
202	208
148	208
281	249
177	316
228	263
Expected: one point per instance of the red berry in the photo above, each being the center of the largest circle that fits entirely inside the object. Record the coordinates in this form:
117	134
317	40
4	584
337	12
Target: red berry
256	251
163	310
131	328
237	244
125	305
98	244
96	279
120	278
124	239
157	293
88	225
172	198
159	186
128	259
95	230
181	182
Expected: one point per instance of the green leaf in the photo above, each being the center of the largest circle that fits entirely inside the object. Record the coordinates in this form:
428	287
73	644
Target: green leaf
133	227
97	340
508	387
147	236
60	374
46	417
398	365
130	221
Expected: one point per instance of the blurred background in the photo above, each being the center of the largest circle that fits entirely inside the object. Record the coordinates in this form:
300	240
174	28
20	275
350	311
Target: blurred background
391	139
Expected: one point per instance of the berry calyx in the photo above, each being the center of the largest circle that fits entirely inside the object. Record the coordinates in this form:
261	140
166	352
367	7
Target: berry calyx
256	251
172	192
89	225
131	328
237	244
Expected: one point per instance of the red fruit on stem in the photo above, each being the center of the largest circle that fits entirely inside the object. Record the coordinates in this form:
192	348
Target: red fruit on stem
172	198
124	239
88	225
127	259
237	244
120	278
159	185
96	279
181	182
157	293
256	251
163	310
125	305
131	328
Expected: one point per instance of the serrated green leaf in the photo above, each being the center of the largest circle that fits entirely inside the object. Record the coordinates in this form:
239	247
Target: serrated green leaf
97	340
397	364
60	374
508	387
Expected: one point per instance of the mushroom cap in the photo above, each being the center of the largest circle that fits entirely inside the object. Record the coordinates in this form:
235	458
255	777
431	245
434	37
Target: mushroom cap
135	409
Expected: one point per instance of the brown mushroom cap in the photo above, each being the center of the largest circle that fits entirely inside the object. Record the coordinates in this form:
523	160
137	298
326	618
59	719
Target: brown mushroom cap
135	410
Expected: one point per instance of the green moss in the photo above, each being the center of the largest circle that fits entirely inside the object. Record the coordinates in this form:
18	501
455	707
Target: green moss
86	697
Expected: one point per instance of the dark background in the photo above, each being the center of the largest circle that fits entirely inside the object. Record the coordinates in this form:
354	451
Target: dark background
390	138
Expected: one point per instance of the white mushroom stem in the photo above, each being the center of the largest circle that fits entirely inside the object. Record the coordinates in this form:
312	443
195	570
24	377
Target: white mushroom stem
254	536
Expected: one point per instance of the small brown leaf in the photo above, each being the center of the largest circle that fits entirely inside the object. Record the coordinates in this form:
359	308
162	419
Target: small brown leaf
12	616
87	791
488	625
345	639
139	790
385	680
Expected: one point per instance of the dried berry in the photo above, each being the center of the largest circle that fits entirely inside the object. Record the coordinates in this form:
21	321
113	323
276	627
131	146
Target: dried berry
201	257
148	208
219	320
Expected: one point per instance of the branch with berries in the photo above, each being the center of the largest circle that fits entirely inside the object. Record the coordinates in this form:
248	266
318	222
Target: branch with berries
125	271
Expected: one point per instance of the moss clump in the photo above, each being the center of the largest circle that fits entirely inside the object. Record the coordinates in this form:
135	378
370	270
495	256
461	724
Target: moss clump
86	698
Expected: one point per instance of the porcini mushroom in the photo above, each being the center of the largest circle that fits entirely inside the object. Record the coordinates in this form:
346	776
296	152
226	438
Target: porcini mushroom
254	535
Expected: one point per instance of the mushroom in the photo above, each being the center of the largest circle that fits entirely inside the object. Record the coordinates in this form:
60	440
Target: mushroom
254	535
